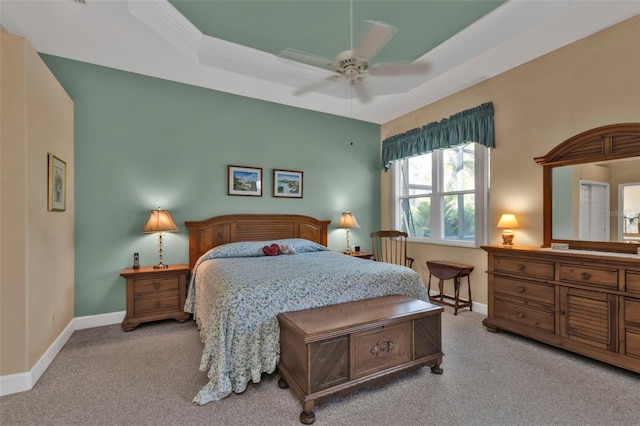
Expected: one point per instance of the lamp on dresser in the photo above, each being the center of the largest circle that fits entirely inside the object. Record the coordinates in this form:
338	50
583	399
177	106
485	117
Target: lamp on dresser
160	221
508	222
348	220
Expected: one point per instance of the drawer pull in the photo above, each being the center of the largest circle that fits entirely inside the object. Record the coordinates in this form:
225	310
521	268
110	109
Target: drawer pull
156	285
585	275
520	314
382	348
520	267
520	289
157	304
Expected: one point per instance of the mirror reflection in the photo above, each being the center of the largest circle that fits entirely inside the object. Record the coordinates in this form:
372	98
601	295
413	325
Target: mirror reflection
596	201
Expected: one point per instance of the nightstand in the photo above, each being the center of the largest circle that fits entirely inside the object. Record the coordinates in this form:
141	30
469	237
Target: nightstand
155	294
360	254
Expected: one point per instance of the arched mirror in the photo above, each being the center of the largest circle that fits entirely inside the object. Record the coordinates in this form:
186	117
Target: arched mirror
591	190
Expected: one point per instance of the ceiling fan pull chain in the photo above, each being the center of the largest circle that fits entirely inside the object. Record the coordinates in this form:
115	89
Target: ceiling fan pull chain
351	24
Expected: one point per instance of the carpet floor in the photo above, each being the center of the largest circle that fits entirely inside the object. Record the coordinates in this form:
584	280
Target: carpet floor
104	376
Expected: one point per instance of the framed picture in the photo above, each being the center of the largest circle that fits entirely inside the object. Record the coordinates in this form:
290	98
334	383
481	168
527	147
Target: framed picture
287	183
57	199
244	181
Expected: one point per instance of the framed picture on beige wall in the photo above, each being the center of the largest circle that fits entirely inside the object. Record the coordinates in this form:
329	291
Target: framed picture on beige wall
287	183
244	181
57	198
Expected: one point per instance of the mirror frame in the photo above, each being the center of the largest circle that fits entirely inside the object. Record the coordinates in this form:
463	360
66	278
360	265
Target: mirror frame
604	143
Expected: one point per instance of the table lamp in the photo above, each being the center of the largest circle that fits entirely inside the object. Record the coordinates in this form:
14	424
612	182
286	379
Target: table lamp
507	222
160	221
348	220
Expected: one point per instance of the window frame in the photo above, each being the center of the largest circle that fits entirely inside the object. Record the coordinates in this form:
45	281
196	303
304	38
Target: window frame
480	191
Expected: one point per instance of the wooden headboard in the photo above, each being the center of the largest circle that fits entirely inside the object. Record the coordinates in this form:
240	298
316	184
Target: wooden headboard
209	233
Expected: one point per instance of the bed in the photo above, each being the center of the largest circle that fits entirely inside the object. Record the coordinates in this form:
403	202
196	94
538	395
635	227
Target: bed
236	290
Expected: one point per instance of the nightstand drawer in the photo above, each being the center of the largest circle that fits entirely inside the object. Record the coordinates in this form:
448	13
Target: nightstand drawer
155	285
142	306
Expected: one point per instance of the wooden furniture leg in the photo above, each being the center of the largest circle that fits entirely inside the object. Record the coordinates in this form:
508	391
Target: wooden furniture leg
469	290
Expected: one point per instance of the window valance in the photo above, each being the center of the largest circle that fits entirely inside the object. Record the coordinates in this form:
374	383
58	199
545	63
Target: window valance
472	125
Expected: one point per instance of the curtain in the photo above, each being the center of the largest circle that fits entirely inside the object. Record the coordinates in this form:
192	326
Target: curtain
472	125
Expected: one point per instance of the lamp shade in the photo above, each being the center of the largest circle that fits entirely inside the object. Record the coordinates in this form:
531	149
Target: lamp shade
160	221
348	220
508	220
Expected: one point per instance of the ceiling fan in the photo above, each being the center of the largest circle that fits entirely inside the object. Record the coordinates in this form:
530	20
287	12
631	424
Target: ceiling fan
354	65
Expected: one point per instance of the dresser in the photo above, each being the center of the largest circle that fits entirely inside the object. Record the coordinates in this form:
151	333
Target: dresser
155	294
333	350
584	302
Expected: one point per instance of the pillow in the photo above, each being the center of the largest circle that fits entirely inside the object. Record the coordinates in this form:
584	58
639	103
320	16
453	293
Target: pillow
255	248
240	249
271	250
286	249
300	245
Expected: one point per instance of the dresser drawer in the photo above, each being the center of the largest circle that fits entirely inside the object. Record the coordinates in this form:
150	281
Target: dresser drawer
632	311
592	276
633	343
633	281
523	267
168	303
524	315
524	289
380	348
155	285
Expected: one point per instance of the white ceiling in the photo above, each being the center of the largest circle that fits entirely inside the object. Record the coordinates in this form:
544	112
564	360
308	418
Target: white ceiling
151	37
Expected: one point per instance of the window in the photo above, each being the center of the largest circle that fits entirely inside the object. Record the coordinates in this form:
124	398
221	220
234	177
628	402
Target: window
441	197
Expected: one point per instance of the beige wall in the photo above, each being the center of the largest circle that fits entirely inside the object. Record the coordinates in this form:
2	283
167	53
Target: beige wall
36	246
592	82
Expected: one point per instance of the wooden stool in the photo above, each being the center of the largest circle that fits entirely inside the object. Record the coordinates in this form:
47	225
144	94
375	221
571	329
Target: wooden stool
447	271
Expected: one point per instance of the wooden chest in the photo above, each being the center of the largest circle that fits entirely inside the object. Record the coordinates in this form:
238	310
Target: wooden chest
334	350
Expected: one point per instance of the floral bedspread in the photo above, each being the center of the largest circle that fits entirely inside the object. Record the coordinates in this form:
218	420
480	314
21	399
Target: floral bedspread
236	292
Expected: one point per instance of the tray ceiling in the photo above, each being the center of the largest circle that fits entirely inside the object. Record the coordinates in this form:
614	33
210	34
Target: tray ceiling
232	46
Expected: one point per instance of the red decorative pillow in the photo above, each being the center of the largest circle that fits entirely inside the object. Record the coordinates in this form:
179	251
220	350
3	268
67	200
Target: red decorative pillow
271	250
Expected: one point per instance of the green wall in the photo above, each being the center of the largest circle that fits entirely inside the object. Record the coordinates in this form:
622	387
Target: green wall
143	143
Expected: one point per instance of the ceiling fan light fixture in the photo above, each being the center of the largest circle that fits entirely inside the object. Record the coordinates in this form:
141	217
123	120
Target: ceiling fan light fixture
353	65
351	73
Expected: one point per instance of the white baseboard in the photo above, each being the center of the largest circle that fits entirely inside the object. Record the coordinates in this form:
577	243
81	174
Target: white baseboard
20	382
91	321
14	383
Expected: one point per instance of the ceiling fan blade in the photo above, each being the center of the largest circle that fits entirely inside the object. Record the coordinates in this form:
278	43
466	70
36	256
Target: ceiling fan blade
377	35
398	69
362	91
316	85
307	58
